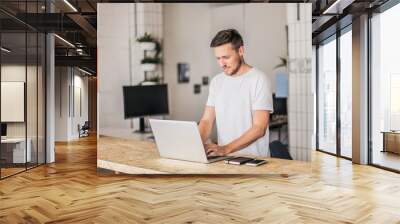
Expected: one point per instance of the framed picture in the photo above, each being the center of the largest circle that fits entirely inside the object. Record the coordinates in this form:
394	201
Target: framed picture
205	80
183	73
197	88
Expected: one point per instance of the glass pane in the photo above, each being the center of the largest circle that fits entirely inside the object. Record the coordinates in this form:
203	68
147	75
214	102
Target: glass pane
31	100
13	86
346	94
41	98
327	97
385	86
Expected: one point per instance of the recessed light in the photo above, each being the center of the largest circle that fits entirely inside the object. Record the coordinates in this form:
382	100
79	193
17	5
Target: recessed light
5	50
84	71
70	5
64	40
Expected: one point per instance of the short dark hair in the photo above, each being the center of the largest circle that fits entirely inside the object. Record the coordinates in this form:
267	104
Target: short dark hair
227	36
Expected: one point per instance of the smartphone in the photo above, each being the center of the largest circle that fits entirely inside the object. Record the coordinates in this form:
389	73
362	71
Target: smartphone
239	160
256	162
226	160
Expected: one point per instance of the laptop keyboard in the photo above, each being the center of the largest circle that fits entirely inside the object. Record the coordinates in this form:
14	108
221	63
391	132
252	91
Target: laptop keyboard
212	157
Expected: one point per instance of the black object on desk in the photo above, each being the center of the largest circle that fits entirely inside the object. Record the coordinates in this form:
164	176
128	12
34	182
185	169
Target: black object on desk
141	101
256	162
3	129
239	160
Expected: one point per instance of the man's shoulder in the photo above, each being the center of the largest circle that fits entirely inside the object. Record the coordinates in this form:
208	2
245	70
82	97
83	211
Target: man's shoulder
258	75
217	77
257	72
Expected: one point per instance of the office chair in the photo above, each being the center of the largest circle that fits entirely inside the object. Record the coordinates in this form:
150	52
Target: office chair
279	150
84	130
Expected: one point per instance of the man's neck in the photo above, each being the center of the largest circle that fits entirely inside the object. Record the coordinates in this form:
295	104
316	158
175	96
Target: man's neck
242	70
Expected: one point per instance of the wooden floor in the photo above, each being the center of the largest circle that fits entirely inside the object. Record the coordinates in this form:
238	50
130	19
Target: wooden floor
70	191
5	172
387	159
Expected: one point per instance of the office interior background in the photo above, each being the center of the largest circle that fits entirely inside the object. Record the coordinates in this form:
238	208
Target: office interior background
48	84
49	78
49	67
359	109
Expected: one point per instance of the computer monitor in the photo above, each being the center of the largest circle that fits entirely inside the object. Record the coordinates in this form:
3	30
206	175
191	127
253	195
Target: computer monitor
3	129
280	105
147	100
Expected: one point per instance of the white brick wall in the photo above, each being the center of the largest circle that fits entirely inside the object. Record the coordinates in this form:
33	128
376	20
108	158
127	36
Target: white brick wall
301	92
149	19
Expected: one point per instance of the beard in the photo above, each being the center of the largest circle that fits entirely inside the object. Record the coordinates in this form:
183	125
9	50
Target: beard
236	69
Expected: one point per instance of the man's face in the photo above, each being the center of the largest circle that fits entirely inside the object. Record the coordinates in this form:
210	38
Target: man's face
228	58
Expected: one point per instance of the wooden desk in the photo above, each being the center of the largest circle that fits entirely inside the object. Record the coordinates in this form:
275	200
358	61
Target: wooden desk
141	157
391	141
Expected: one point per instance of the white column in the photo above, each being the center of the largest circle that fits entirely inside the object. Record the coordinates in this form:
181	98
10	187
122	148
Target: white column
301	92
50	99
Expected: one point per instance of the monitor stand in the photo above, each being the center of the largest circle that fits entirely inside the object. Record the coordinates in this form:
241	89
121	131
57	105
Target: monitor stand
142	127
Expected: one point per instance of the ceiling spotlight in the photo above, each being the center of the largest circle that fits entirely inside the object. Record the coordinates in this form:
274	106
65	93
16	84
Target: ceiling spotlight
5	50
64	40
337	7
84	71
70	5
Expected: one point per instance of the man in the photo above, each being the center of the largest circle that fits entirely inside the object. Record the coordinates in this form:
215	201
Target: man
240	100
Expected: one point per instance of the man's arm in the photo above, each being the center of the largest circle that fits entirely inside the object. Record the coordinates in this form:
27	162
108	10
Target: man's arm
258	129
206	123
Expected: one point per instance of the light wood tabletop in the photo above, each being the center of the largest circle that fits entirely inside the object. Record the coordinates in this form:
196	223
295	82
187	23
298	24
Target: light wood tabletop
141	157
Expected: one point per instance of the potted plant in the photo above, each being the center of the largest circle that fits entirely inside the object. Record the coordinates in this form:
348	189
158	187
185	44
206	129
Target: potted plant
151	81
283	63
147	42
150	64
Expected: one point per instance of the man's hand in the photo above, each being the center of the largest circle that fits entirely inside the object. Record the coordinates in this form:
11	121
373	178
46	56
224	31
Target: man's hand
216	150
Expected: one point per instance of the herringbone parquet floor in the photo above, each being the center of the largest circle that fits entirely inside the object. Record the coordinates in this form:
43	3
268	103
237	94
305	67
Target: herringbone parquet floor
70	191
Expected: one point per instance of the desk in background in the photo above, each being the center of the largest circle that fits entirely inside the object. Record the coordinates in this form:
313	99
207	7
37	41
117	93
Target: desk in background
391	141
13	150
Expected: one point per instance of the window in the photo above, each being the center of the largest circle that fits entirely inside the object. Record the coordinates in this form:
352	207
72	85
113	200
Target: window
327	97
346	94
385	89
22	77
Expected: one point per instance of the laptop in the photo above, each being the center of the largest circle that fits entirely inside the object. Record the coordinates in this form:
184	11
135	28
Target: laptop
180	140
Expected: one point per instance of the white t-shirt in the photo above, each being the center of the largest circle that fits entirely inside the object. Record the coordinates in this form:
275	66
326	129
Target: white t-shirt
235	99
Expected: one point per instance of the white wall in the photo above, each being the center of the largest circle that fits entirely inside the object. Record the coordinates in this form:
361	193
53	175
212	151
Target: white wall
62	81
187	40
114	65
81	111
15	72
67	81
263	30
33	127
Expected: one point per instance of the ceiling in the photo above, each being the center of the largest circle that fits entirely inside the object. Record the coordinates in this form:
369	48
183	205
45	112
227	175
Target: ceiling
76	22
